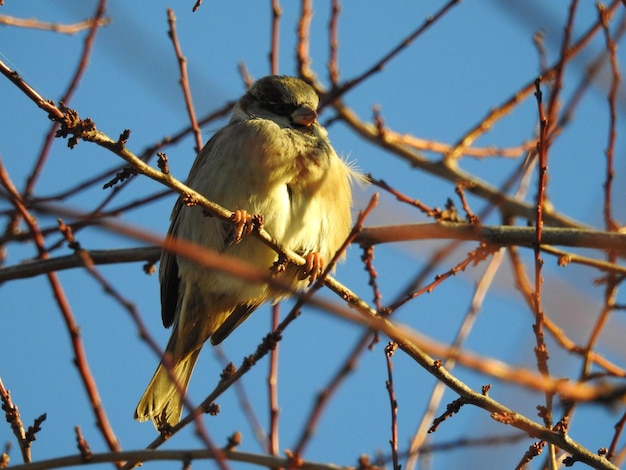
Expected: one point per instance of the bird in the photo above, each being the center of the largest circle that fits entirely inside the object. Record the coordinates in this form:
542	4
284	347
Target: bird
272	159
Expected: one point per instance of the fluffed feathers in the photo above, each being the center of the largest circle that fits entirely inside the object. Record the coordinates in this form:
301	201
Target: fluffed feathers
274	159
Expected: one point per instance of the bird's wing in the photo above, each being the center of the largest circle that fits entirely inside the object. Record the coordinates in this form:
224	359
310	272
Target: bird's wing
236	318
168	274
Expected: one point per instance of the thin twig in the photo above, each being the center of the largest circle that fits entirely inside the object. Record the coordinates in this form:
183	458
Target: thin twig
619	427
541	351
368	257
611	47
273	443
184	79
55	27
389	350
302	49
473	258
333	42
274	55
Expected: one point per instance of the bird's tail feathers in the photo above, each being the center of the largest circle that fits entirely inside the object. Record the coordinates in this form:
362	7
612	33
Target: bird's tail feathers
162	402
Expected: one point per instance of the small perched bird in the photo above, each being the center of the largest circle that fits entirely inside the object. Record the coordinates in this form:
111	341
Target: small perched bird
274	159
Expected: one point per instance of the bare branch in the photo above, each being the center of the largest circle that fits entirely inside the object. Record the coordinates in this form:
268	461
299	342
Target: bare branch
55	27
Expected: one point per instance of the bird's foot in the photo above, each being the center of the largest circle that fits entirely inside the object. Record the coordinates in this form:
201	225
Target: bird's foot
243	225
313	268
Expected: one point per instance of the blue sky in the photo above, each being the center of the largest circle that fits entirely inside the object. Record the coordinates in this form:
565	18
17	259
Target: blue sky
473	59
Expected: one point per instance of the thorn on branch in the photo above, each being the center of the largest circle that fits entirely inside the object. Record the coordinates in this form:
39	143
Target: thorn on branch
213	409
72	126
124	174
34	429
233	441
162	163
83	446
562	425
269	342
124	136
228	371
379	123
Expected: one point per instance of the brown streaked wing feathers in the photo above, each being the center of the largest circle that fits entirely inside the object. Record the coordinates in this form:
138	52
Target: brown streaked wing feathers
168	275
239	314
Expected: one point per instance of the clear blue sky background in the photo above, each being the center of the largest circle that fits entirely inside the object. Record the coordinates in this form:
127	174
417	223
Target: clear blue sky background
475	58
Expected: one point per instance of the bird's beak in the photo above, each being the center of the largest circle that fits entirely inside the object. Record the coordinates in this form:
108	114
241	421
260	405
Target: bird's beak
303	116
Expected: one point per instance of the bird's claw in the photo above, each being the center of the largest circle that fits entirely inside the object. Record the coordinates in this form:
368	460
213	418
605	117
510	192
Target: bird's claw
243	225
313	268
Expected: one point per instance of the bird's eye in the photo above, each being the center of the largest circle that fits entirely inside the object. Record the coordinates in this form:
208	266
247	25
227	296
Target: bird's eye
282	109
